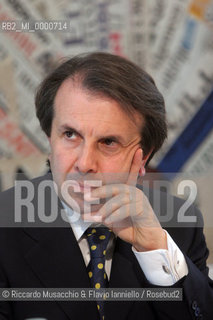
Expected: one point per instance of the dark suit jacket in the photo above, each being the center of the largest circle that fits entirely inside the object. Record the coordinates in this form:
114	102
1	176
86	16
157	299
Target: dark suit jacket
51	258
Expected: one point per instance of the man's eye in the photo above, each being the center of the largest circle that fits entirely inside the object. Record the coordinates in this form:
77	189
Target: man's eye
70	134
109	146
109	142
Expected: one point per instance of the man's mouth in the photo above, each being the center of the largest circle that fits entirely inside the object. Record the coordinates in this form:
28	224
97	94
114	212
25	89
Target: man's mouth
85	187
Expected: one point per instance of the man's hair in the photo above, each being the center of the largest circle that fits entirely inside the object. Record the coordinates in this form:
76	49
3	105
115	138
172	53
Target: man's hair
114	77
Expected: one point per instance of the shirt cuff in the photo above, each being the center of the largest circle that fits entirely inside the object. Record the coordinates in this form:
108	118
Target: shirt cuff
163	267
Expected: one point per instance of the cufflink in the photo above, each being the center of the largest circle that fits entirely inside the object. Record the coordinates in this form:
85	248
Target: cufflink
166	269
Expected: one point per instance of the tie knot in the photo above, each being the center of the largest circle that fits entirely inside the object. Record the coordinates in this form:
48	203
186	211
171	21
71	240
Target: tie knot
98	239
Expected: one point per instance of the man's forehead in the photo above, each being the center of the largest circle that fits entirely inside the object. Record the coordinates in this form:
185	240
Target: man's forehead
78	103
74	88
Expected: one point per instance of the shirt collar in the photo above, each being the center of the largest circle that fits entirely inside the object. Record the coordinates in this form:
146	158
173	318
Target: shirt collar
79	226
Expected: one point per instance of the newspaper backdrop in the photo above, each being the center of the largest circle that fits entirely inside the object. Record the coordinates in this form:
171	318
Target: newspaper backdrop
173	40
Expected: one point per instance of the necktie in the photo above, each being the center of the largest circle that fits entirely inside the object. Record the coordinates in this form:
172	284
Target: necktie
98	239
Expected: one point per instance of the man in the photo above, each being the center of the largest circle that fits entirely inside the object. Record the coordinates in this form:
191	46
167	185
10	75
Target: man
104	119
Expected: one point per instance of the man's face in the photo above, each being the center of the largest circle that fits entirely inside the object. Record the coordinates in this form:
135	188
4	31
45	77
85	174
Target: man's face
92	138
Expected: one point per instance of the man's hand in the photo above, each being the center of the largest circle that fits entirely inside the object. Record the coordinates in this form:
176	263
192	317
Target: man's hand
128	212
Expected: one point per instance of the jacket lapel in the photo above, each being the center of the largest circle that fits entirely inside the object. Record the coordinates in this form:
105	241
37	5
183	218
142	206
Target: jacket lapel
57	261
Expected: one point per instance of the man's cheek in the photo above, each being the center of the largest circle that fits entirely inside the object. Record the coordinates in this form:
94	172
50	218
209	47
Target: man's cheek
132	152
127	160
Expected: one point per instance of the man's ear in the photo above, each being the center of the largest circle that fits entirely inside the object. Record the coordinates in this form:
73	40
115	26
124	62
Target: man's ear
142	170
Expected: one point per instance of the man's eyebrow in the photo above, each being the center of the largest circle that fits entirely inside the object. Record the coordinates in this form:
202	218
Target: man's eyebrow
112	137
115	137
66	127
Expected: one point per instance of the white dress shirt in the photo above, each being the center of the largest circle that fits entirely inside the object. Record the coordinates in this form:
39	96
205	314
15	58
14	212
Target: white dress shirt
161	267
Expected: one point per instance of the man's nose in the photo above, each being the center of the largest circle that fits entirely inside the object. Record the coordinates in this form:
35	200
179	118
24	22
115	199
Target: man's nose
87	160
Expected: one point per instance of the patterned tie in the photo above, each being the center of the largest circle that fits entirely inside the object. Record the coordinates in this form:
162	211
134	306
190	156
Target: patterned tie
98	239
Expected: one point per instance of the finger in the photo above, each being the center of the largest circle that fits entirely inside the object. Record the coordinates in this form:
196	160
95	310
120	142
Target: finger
135	167
113	204
124	212
107	191
116	226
